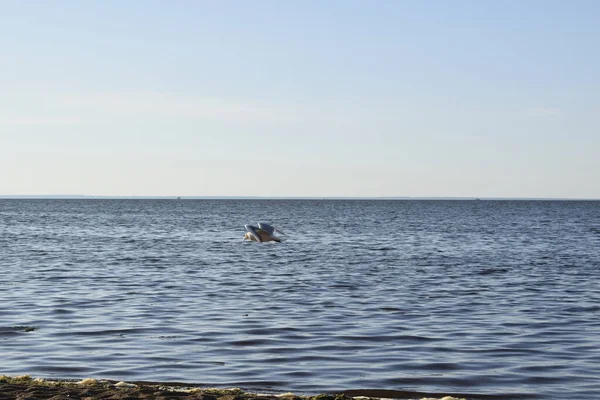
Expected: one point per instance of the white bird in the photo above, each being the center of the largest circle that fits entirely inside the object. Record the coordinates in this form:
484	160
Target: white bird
264	233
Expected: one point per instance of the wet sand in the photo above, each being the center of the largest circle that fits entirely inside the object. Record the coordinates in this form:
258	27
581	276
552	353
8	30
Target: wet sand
27	388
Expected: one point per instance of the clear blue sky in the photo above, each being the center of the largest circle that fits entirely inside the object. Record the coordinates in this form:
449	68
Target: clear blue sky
300	98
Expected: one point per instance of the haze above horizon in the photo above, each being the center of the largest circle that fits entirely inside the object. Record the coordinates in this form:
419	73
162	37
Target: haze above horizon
301	99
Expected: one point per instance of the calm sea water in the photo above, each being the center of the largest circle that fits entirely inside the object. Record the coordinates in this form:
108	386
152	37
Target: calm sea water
496	298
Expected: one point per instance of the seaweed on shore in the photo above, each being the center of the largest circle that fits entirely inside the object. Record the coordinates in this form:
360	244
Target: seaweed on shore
25	387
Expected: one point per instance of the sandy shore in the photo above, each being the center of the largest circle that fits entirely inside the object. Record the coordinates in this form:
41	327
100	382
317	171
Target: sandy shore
28	388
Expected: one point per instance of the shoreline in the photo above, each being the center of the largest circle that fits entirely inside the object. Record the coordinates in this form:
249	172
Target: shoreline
25	387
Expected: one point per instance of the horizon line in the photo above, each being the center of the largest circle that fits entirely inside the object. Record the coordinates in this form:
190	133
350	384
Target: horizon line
142	197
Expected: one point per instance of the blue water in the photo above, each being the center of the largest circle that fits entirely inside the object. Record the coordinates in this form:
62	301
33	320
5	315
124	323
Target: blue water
495	298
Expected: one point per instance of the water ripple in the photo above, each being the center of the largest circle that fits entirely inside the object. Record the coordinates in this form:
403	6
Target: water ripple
490	300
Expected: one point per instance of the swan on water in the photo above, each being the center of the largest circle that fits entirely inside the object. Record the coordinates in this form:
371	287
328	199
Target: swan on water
262	233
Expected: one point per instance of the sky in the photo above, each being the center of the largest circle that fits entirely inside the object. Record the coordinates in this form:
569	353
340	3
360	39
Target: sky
300	98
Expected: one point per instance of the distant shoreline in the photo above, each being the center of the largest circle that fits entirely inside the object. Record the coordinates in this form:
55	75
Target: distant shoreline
91	197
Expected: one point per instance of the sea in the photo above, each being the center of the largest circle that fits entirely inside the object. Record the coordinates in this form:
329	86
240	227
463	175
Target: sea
480	299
